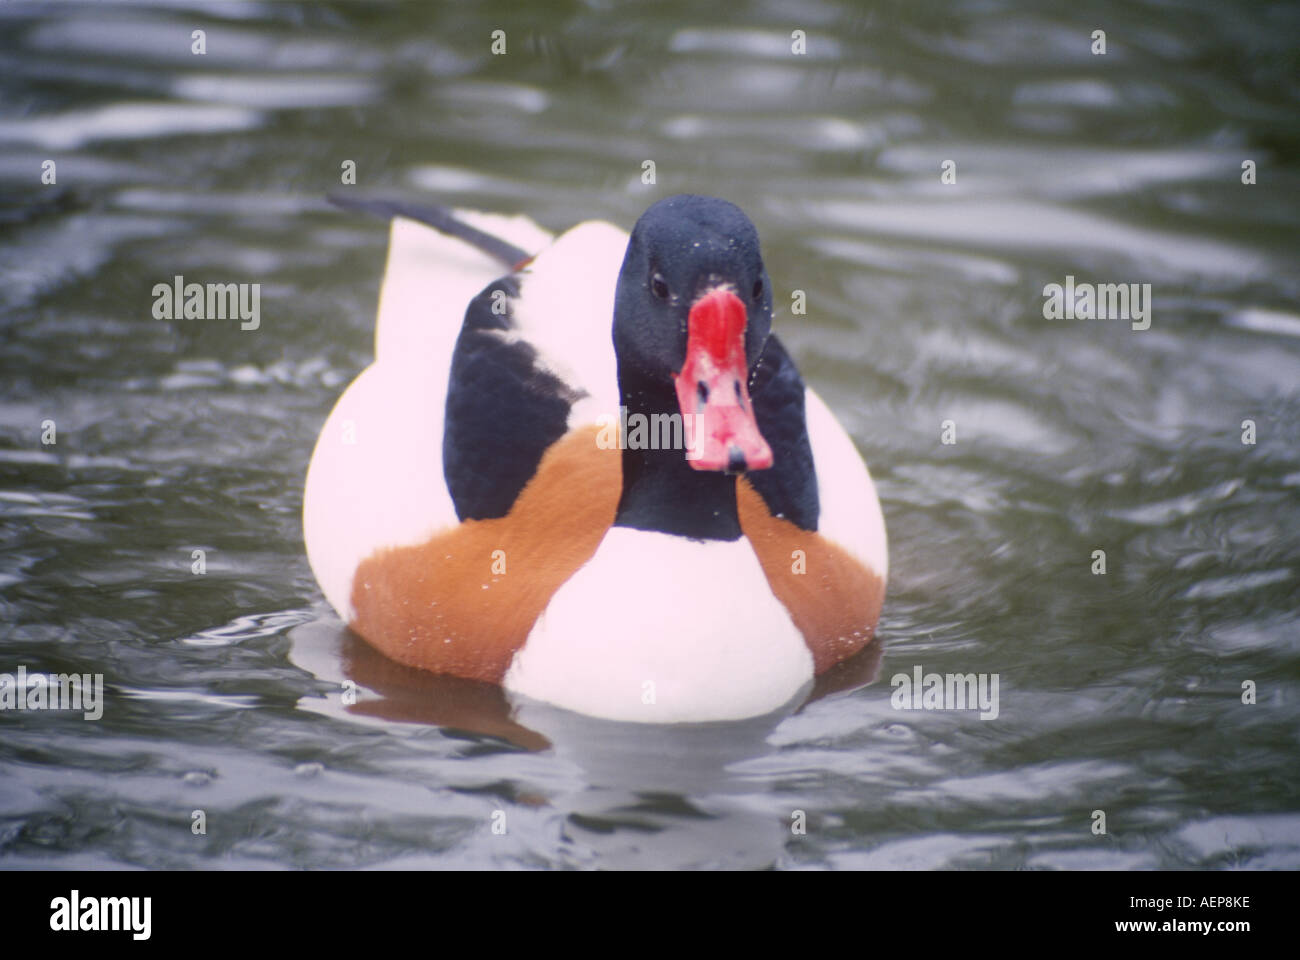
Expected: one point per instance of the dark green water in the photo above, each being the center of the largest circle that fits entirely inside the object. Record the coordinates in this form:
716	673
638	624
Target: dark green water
1119	692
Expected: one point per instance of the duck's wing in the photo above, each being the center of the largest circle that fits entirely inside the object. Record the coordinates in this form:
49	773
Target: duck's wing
376	477
534	360
789	486
814	518
818	482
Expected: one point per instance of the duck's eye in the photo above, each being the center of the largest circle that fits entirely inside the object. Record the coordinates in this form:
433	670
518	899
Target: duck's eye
758	288
659	286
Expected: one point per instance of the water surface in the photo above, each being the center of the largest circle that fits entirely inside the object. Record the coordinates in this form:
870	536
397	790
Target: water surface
1119	692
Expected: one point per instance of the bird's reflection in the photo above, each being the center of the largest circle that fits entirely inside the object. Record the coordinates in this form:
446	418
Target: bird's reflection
652	795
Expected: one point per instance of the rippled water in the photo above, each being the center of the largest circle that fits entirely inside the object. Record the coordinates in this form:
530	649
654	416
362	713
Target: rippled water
1119	692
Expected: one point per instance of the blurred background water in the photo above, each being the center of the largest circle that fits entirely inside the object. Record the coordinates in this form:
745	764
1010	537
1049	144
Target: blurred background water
1119	692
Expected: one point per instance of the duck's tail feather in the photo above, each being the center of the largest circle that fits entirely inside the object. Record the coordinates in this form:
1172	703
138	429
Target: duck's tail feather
437	216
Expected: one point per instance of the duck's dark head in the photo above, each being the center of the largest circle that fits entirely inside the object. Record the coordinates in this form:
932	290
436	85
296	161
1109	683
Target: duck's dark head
692	312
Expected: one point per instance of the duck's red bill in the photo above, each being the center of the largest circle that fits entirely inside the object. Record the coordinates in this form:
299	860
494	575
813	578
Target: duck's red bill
718	417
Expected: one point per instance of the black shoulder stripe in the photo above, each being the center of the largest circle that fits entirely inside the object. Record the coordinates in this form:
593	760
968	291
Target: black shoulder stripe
503	412
434	215
789	486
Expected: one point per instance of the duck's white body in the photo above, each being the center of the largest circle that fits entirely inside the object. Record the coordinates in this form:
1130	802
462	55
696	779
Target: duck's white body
664	662
638	632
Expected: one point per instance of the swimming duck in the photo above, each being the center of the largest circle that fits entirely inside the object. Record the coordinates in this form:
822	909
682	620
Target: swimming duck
584	468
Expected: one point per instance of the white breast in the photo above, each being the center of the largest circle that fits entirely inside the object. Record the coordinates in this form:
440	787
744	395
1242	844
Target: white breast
660	629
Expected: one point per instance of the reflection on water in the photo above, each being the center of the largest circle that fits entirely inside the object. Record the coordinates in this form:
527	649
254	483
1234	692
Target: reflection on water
629	808
1121	691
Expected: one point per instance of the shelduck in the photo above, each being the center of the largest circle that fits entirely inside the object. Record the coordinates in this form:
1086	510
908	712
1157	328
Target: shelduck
583	467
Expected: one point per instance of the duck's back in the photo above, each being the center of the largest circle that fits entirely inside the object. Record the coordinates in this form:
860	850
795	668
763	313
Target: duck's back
433	444
376	474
